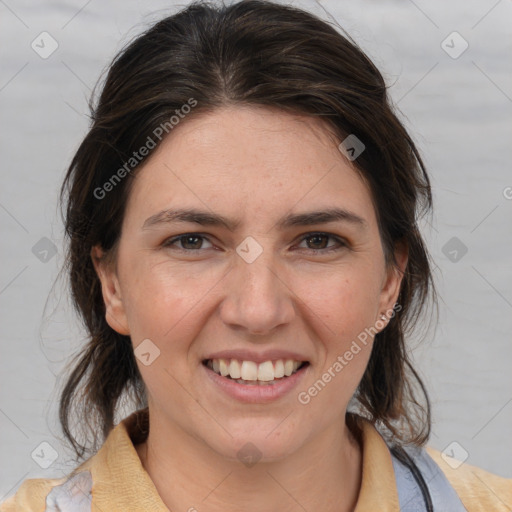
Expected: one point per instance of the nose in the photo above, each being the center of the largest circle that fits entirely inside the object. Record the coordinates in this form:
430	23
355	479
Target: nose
258	299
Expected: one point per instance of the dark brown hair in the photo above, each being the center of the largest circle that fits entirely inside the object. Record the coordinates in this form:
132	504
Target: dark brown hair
249	53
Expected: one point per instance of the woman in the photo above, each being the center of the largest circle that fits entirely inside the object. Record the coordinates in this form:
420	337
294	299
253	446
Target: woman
244	251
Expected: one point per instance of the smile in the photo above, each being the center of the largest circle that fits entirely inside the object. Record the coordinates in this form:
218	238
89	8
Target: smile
252	373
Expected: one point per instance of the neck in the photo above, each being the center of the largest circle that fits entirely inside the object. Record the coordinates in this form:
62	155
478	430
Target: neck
189	476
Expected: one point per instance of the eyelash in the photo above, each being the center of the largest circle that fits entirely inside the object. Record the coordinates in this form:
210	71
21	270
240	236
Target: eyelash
342	244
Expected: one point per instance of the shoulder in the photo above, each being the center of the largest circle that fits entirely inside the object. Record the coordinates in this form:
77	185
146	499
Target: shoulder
30	496
71	493
479	490
452	485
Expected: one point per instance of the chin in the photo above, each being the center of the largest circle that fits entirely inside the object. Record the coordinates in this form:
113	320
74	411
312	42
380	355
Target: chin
250	444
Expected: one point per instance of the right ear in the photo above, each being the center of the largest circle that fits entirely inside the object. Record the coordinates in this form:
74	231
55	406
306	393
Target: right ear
115	313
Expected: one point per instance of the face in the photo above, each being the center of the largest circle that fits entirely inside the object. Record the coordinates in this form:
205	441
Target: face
267	289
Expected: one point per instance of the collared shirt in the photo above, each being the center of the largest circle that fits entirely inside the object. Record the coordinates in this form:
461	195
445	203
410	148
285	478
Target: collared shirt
114	479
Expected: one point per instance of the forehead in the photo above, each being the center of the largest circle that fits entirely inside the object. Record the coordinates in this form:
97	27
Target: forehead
247	161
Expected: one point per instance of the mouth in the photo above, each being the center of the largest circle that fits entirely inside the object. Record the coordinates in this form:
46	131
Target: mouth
250	373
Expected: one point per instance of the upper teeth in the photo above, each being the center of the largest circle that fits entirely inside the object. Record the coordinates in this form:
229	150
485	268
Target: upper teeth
249	370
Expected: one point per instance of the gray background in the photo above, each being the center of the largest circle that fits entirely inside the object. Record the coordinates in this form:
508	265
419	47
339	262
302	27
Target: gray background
459	111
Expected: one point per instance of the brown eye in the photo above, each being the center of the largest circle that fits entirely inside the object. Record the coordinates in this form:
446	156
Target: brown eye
319	242
188	242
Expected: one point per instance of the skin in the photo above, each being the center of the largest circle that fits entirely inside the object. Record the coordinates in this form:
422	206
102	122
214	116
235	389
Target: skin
255	165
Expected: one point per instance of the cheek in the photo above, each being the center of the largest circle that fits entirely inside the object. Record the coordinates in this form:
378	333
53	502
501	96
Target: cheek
344	299
161	299
344	313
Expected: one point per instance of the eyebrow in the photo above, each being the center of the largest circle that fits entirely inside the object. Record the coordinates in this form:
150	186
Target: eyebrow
205	218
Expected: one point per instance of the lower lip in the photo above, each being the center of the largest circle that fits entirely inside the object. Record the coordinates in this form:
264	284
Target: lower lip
256	393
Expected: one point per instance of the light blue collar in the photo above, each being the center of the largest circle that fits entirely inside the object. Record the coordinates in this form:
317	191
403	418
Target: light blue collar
443	495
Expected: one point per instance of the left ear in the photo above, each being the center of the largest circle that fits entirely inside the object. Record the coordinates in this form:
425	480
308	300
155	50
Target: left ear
393	279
